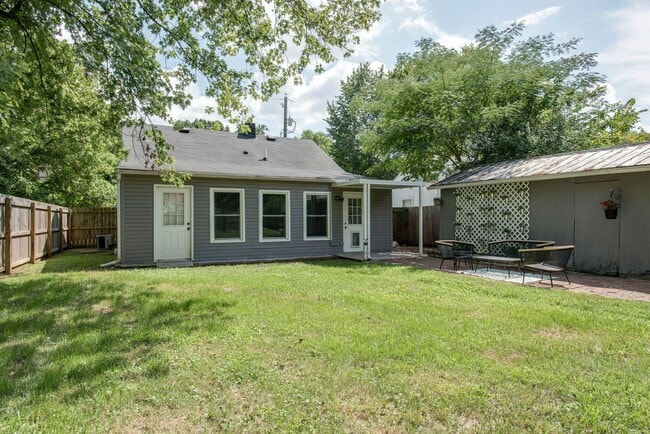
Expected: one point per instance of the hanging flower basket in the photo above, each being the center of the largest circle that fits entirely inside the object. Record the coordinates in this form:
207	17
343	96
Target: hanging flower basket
610	206
611	214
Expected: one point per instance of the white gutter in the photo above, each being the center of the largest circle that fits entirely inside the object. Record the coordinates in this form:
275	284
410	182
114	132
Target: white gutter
229	176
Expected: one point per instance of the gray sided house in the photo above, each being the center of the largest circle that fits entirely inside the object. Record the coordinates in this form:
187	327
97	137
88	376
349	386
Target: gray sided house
557	197
250	198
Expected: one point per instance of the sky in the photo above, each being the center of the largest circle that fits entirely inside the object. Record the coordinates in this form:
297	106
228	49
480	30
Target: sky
617	30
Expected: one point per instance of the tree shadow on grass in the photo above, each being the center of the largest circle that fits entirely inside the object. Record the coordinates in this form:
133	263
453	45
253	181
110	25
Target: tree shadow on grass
72	334
69	261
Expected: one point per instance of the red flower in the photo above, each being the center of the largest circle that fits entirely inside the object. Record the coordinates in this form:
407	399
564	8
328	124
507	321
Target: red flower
610	204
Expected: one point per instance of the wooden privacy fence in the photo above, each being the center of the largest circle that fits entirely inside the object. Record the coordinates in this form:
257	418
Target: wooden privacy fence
87	223
405	225
31	230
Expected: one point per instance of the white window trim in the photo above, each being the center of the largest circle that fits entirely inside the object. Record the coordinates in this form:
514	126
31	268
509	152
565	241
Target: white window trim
242	216
287	216
304	216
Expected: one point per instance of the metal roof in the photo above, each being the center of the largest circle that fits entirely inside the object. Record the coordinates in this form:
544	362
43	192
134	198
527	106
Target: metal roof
224	154
618	159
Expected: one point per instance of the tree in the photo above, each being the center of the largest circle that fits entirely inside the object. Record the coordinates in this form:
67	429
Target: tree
349	117
493	100
55	125
320	138
143	54
261	129
202	124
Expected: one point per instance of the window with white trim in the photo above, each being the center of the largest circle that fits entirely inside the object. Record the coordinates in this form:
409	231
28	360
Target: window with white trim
274	216
316	215
227	215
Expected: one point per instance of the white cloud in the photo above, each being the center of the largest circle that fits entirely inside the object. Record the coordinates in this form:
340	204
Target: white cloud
307	105
539	16
406	6
430	27
367	49
610	93
308	102
197	106
626	61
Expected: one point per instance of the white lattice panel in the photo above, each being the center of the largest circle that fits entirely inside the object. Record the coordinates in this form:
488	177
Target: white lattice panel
492	212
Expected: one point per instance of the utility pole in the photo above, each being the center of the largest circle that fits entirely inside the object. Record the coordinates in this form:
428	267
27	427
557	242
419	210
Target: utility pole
286	103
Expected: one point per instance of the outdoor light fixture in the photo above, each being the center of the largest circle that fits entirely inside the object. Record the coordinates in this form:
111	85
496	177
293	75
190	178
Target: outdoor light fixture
338	198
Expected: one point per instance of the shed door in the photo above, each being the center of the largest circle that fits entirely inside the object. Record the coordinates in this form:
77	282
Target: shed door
596	238
172	220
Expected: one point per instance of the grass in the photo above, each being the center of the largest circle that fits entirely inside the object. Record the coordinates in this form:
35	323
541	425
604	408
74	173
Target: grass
327	346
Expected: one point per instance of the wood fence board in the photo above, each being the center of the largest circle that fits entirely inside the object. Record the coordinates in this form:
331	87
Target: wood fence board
40	245
19	249
20	216
87	223
405	225
35	230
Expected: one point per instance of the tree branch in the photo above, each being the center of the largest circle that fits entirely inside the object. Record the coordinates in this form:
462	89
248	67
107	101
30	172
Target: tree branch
12	14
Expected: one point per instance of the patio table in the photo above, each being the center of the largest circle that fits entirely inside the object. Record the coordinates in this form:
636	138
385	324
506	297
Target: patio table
506	261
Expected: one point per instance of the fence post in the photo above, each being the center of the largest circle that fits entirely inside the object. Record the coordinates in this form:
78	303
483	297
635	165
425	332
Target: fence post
67	229
60	230
32	233
48	241
8	238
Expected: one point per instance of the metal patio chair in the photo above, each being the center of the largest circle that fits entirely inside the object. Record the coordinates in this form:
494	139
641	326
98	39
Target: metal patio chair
463	251
546	260
445	249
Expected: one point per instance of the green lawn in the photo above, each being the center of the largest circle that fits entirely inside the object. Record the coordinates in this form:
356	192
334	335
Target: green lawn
327	346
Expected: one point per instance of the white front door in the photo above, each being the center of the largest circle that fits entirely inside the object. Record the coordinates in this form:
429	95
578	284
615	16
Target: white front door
172	223
352	222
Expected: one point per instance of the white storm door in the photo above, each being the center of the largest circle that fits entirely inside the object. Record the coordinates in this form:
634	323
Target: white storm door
172	223
352	222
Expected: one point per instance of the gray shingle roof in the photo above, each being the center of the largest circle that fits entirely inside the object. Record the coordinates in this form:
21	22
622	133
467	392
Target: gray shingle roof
571	164
213	153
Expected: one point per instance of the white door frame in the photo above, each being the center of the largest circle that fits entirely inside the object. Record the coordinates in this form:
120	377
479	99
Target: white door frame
347	245
159	188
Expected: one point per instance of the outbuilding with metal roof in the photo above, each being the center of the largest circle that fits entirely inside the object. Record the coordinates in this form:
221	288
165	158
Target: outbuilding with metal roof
559	197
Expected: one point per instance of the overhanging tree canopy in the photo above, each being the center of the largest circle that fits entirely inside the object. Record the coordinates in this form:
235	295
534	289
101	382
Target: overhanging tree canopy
496	99
142	54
